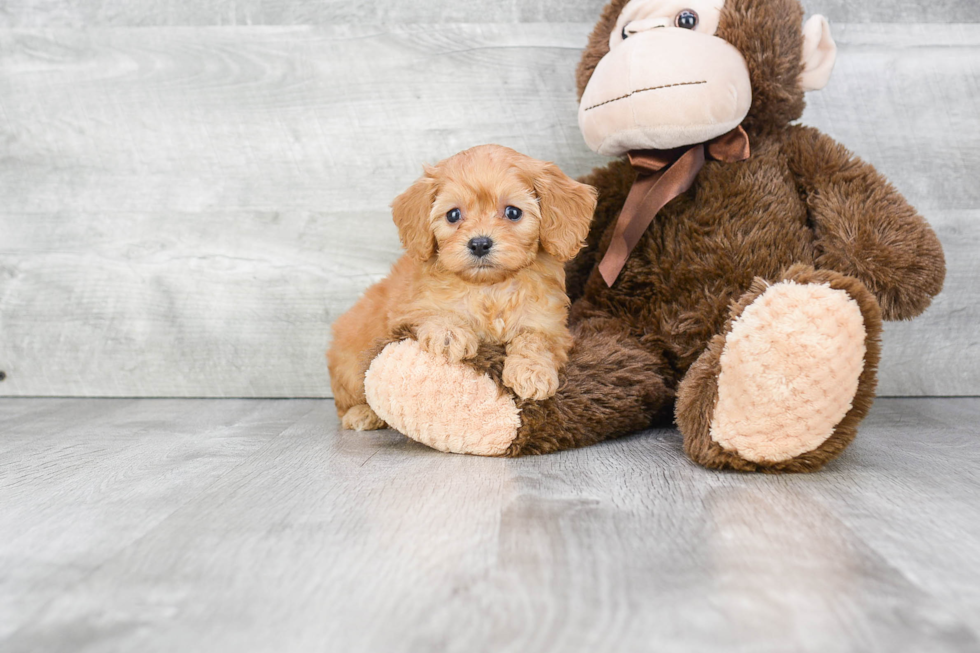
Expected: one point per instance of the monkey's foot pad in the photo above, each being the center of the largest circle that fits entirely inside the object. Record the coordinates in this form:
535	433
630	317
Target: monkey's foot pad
447	406
789	371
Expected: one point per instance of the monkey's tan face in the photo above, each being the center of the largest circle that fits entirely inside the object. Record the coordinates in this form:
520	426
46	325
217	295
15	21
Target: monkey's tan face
667	80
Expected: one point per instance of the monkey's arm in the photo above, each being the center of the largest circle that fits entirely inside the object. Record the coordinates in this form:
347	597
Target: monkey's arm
613	183
864	227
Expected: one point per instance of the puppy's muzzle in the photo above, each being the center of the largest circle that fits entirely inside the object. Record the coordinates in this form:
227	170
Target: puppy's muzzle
480	246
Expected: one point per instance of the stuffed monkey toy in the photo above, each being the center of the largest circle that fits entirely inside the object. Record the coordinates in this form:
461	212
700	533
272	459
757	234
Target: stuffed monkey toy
737	270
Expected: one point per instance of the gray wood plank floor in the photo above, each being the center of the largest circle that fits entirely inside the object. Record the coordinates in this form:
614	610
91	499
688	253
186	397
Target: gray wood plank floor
249	525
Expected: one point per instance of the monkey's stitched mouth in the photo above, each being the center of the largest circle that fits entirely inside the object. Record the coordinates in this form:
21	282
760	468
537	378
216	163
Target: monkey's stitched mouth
643	90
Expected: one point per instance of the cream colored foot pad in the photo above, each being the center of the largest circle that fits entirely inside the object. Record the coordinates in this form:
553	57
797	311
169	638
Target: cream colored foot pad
446	406
789	371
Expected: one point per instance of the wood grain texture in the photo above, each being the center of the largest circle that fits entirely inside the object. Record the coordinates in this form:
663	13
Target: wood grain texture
256	526
86	478
203	203
187	209
103	13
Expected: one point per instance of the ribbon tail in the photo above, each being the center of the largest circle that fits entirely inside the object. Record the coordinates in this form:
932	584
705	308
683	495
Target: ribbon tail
654	193
618	250
614	261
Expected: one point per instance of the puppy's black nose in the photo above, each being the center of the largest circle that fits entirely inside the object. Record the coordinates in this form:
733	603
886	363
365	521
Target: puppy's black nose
480	246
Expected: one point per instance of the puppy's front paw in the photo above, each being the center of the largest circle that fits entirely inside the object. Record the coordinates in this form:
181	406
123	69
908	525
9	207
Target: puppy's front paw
362	418
530	379
450	341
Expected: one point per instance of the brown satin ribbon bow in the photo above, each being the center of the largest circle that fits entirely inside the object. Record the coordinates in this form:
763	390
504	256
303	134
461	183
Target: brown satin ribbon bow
663	175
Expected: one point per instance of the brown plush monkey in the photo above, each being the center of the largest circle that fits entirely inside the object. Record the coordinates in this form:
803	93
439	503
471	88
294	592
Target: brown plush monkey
741	289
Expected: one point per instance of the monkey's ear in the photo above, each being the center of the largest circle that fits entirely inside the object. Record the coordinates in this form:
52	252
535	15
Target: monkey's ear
410	211
819	54
566	210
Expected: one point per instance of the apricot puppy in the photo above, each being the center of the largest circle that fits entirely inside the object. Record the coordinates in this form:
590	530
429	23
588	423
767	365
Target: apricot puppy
486	234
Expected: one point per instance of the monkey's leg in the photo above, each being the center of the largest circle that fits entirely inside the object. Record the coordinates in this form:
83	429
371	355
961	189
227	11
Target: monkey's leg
609	387
784	386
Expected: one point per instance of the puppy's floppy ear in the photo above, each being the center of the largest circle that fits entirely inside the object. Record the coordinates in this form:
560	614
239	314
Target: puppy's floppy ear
411	212
566	210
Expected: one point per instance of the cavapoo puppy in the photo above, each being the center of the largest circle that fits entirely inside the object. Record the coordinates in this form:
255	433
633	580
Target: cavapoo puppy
486	234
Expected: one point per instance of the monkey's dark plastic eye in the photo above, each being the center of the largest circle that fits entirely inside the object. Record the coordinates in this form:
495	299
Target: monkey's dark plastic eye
513	213
453	216
687	19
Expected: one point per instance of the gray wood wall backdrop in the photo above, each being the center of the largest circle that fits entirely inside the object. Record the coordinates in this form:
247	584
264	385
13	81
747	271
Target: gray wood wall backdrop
192	190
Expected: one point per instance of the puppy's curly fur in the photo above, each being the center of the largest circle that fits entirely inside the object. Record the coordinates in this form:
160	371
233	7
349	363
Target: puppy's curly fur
454	291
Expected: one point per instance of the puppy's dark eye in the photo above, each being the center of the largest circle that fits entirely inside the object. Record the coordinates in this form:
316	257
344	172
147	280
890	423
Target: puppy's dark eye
687	19
626	34
513	213
453	216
